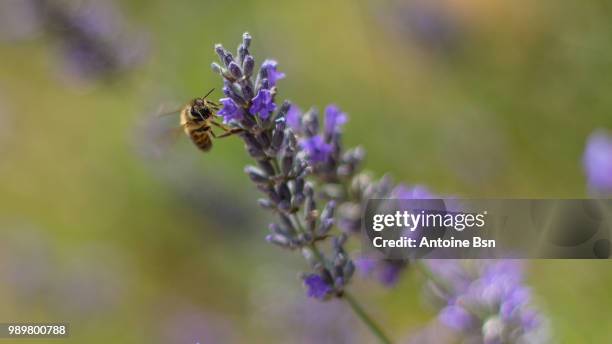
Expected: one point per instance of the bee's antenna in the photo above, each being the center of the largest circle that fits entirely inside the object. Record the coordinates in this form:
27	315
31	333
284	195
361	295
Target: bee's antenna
209	92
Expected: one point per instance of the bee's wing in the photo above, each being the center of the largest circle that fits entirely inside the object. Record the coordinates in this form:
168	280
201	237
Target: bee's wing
158	132
161	112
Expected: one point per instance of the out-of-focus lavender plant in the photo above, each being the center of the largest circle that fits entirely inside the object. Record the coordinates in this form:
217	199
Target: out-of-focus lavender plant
92	36
598	163
430	24
485	301
80	288
188	324
388	271
298	166
19	20
294	318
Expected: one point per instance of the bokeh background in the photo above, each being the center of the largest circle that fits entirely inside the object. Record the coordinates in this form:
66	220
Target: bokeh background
133	241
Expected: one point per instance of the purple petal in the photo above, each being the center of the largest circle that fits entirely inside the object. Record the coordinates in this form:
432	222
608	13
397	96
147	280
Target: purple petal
272	74
456	318
230	110
316	148
316	287
334	120
598	161
263	104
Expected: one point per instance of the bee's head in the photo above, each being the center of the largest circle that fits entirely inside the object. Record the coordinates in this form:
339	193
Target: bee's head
200	110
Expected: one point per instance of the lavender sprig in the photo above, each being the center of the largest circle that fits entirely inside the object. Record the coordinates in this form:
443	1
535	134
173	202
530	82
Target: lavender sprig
293	164
90	34
485	301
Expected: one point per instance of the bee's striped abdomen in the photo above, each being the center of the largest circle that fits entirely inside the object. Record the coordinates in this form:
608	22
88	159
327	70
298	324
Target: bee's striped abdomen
201	138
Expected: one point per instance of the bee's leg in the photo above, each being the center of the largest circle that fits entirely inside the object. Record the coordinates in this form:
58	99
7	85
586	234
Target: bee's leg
222	126
229	133
227	130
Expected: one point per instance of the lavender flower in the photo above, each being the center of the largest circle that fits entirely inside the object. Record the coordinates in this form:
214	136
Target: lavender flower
318	288
294	118
334	120
598	162
485	301
263	104
269	71
386	271
429	24
90	36
230	111
282	168
316	149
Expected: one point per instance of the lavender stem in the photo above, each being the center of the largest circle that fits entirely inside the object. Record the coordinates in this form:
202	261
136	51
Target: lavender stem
437	280
367	320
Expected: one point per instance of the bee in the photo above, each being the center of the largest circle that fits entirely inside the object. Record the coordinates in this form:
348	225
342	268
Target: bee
197	119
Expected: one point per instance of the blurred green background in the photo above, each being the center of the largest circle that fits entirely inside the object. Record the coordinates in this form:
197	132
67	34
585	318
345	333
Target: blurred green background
473	98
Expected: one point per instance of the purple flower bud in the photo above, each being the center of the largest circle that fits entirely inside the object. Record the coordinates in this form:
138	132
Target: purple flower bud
598	162
257	175
334	120
316	149
415	192
235	70
241	52
294	118
316	287
248	65
229	58
310	122
390	272
230	92
220	51
230	110
278	135
246	40
266	203
216	68
268	67
456	318
278	239
263	104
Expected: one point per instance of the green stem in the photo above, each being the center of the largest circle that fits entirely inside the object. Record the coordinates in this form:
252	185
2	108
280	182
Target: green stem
363	316
426	271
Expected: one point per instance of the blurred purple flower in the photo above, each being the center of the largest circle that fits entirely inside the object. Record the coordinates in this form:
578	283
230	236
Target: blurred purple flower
316	148
230	111
93	37
263	104
269	66
316	287
291	317
456	317
294	118
402	191
386	271
598	162
334	120
486	301
428	23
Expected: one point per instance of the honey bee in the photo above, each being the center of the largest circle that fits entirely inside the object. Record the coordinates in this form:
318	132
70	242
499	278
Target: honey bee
197	119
